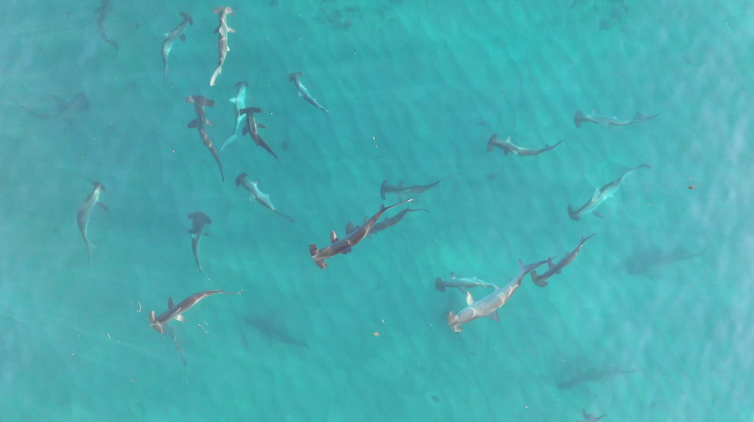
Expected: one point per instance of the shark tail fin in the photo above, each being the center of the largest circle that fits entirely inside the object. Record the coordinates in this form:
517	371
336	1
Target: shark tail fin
382	189
572	214
313	249
228	141
438	285
491	142
578	118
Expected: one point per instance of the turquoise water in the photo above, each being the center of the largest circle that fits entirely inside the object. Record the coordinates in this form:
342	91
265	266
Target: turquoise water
415	90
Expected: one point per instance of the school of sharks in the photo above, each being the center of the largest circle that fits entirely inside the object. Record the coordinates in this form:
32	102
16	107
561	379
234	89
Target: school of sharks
245	123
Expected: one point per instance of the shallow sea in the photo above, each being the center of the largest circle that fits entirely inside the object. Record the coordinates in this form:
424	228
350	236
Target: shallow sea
631	329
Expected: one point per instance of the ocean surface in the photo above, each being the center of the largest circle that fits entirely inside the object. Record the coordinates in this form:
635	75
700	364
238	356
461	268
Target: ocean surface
652	321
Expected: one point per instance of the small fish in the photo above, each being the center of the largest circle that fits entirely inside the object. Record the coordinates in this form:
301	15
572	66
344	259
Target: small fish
606	122
251	127
273	330
170	38
345	245
643	262
102	10
591	418
402	190
462	284
303	92
85	211
257	194
175	312
541	280
200	220
222	30
508	147
78	104
488	305
387	222
201	122
239	103
600	195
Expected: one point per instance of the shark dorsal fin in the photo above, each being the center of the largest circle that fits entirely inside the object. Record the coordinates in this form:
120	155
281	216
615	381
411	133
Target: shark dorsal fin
549	262
452	275
469	299
400	184
170	303
333	237
350	228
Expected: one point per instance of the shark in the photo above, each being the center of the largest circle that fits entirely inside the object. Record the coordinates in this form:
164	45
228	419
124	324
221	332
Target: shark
509	148
64	108
591	417
239	103
252	128
462	284
273	330
303	92
387	222
85	211
592	376
102	10
400	190
199	222
606	122
170	37
262	198
644	262
488	305
201	122
345	245
600	195
175	312
541	280
222	43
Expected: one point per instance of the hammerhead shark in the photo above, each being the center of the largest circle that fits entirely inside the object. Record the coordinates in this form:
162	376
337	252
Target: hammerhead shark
239	103
201	122
200	220
176	312
78	104
591	417
606	122
382	225
170	38
541	280
257	194
643	262
102	10
462	284
273	330
85	210
222	44
508	147
488	305
402	190
252	128
600	195
592	376
345	245
303	92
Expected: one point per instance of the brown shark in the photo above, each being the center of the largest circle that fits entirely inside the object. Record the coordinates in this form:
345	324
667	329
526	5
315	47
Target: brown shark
170	38
201	122
200	220
78	104
303	92
175	312
402	190
387	222
257	194
541	280
85	211
345	245
600	195
509	148
102	10
251	127
222	44
606	122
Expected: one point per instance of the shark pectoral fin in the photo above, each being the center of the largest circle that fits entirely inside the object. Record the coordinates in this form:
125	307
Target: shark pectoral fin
596	194
261	126
209	122
452	275
493	316
333	237
346	250
167	34
597	214
205	234
604	124
170	303
104	207
231	30
463	290
183	37
469	299
180	318
192	124
558	272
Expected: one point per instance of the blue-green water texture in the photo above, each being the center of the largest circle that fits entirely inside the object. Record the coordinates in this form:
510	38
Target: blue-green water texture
652	321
